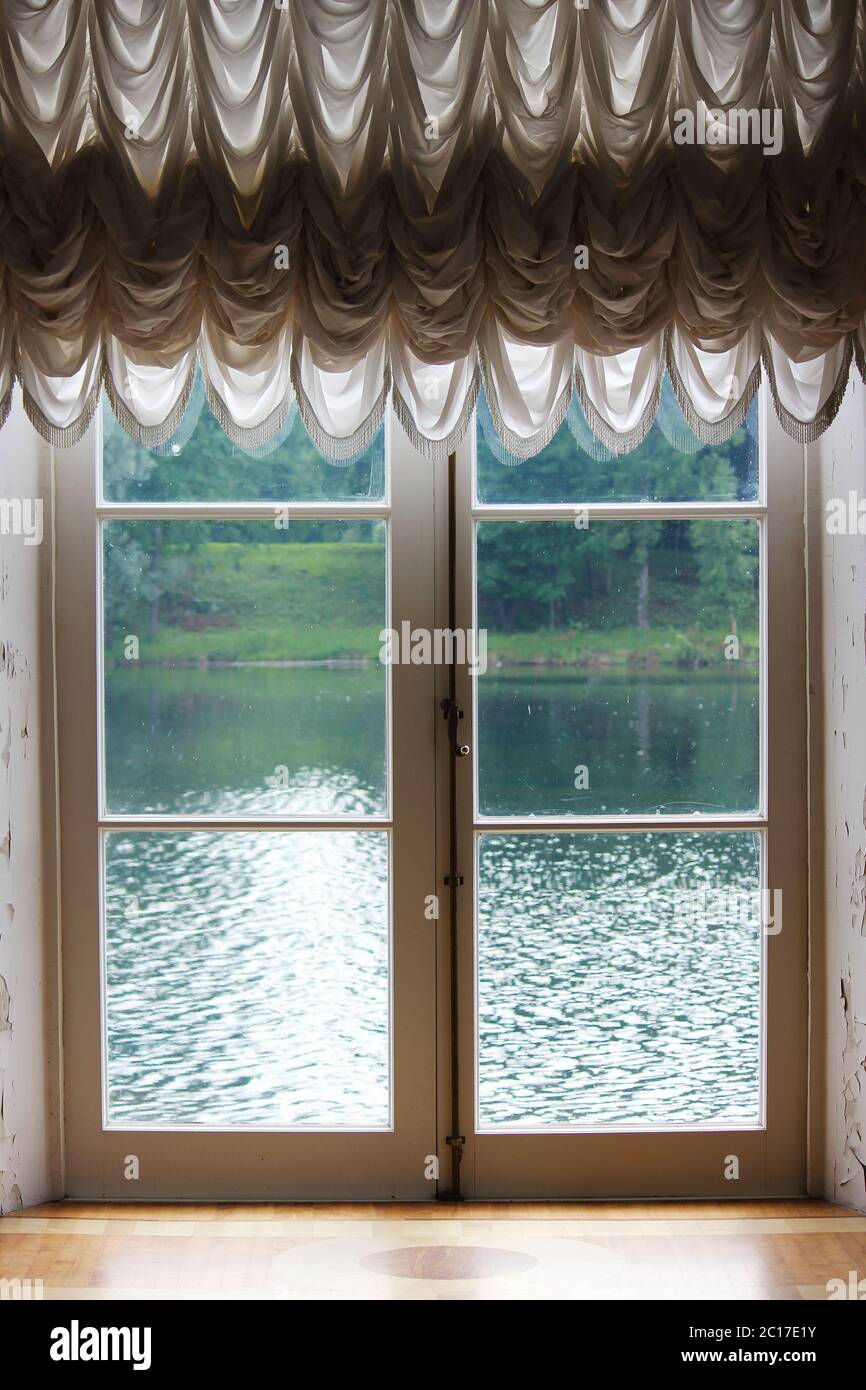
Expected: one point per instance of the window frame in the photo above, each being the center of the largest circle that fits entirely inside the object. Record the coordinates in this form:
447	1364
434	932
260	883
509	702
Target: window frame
245	1162
665	1160
204	1163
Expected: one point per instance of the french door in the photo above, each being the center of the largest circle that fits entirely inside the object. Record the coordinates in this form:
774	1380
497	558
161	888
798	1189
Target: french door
247	808
632	941
321	941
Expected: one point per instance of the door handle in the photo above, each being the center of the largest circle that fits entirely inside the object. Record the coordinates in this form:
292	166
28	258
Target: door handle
453	713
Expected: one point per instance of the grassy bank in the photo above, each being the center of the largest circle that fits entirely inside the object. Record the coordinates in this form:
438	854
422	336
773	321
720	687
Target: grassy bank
619	649
615	650
247	603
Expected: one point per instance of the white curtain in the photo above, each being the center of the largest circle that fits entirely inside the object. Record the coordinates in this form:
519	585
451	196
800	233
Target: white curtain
329	203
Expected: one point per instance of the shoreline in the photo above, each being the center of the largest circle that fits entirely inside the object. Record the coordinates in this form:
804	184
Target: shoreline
600	666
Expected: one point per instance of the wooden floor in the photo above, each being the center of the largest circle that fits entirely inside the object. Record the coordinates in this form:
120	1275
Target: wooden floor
664	1250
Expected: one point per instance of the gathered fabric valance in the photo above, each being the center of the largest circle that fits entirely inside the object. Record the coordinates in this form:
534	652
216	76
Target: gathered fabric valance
325	204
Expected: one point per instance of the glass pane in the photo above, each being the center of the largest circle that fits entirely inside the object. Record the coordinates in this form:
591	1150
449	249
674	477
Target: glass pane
670	465
242	671
248	978
201	464
622	668
619	979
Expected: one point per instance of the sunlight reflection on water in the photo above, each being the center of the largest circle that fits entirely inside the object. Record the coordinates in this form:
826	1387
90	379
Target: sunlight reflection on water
248	974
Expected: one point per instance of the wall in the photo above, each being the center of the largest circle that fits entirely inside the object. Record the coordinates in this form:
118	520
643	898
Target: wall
30	1157
836	467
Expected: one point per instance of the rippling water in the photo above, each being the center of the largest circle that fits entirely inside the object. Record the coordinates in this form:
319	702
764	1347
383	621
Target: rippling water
240	740
248	978
248	974
602	998
675	743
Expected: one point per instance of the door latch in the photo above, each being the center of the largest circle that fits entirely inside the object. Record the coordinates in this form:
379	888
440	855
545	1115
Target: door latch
453	713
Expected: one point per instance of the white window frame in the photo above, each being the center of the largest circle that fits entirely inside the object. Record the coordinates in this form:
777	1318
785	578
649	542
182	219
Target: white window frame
207	1163
634	1160
246	1162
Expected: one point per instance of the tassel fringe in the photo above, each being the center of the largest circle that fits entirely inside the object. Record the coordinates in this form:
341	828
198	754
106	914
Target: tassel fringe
340	450
248	440
517	448
437	449
807	431
514	449
150	436
615	442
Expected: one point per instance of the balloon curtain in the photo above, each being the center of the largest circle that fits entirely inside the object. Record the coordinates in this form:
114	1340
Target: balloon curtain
331	204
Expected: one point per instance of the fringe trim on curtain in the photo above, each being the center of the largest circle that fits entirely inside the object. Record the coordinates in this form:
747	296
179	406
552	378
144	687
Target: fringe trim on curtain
437	449
712	431
340	449
277	440
344	450
592	447
484	422
807	431
631	439
186	429
247	439
516	446
62	437
150	436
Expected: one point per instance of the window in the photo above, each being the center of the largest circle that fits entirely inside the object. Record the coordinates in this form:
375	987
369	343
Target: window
620	974
247	972
257	843
624	916
245	834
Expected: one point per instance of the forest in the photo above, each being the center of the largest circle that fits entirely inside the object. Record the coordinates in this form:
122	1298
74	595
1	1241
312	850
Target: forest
652	592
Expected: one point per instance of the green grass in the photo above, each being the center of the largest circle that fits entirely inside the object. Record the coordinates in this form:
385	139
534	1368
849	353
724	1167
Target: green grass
249	644
621	648
241	602
249	602
340	583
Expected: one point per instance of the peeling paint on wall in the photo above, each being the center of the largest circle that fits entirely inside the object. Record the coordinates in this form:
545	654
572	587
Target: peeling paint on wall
10	1193
10	1196
15	677
28	1145
851	1166
837	793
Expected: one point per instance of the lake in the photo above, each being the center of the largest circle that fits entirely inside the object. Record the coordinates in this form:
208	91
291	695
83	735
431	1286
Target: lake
619	973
